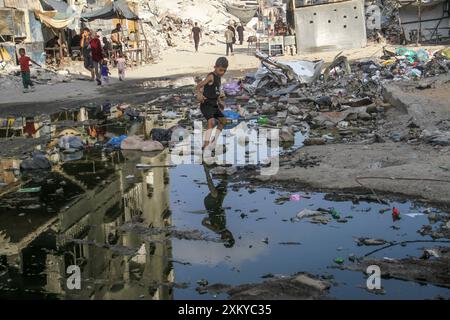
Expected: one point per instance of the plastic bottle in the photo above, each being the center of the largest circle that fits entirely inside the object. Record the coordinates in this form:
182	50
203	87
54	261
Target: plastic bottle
263	120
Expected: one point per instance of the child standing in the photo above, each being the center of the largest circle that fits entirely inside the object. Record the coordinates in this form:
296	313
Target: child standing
121	66
208	94
105	72
24	62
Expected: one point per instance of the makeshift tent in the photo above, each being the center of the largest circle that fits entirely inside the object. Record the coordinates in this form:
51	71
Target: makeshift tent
62	16
46	6
115	9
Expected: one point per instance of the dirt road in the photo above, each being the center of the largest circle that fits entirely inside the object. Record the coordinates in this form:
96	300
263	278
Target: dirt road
176	62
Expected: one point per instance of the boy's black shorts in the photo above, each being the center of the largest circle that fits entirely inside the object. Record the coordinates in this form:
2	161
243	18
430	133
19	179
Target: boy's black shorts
210	109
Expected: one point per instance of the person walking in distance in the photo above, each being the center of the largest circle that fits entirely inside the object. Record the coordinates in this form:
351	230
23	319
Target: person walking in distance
196	34
229	39
86	51
97	57
121	66
240	31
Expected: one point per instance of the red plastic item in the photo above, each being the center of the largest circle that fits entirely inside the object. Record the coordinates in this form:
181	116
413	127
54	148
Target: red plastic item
395	213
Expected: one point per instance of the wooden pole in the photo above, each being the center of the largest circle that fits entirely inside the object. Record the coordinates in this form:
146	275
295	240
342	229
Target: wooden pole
61	50
419	13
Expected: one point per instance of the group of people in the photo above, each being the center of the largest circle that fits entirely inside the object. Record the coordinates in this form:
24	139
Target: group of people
95	53
233	30
230	36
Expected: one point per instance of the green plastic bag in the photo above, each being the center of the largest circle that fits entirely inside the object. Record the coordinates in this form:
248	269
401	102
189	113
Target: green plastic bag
29	190
446	53
263	120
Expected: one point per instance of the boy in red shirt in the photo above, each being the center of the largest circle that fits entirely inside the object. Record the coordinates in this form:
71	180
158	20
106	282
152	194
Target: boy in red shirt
24	62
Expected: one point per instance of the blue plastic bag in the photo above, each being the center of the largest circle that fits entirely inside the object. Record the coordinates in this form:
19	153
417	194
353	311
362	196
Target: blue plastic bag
116	142
232	115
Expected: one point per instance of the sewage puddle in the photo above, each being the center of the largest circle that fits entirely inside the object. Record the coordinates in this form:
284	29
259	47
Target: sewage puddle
155	233
139	228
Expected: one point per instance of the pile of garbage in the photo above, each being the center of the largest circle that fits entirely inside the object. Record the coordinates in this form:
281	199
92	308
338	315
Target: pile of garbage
386	12
342	102
405	64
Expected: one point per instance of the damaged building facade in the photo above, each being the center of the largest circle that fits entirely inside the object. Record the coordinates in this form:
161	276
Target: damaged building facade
18	25
32	24
427	20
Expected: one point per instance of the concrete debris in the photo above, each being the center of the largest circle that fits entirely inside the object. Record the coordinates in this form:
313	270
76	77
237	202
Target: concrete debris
431	268
306	213
223	171
302	286
370	242
168	23
10	77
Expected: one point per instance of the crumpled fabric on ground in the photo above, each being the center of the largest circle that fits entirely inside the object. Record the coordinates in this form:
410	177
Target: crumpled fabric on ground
38	161
138	143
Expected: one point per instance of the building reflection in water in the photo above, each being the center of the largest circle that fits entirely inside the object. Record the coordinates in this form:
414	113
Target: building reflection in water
112	192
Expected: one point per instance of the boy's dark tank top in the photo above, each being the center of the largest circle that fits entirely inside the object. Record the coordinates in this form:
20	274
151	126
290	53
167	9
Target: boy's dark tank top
212	92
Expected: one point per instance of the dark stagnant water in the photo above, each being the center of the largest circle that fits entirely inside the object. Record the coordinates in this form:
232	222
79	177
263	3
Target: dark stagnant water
98	213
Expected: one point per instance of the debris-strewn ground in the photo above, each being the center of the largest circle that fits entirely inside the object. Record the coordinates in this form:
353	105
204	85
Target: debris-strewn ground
433	267
373	129
339	166
298	287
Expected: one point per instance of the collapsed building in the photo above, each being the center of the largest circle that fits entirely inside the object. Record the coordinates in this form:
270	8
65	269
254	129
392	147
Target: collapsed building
425	20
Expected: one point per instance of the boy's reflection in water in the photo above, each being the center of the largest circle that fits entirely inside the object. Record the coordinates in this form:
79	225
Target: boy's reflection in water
216	220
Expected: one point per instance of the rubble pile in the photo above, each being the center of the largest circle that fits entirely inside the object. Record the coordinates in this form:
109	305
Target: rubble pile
389	18
169	23
10	76
340	103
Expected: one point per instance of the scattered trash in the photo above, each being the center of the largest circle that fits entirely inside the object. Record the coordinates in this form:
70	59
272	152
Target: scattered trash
306	213
203	282
232	88
70	143
116	142
138	143
30	190
223	171
295	197
413	215
150	166
395	214
290	243
38	161
370	242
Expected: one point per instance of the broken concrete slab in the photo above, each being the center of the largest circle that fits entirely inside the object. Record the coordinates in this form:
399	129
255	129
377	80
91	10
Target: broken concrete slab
302	286
434	271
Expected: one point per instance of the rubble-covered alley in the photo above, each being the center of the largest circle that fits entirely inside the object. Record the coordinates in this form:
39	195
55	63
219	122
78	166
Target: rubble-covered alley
334	157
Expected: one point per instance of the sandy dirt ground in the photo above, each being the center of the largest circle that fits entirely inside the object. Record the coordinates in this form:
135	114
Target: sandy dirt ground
420	172
180	61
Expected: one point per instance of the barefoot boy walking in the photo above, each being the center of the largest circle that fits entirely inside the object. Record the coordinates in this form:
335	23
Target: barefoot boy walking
208	94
